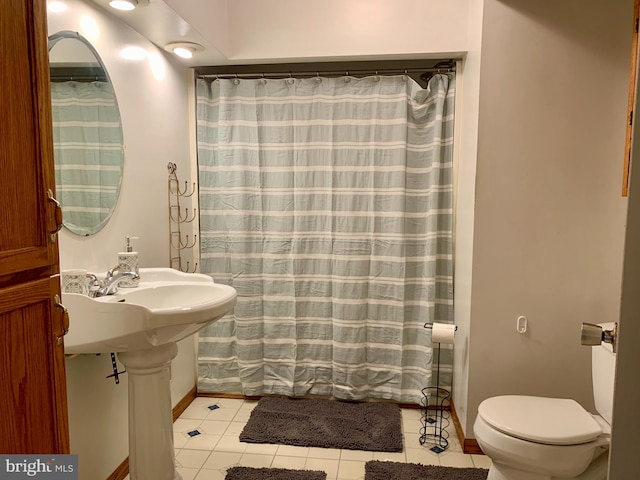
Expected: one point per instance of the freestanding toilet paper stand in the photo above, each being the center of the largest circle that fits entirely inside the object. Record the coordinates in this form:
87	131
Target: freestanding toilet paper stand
438	400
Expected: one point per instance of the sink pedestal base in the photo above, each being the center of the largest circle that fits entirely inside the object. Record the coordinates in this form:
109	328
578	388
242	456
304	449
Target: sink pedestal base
151	453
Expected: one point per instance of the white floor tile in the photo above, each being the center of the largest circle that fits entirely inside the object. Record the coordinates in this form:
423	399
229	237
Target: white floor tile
255	460
231	443
210	475
261	448
202	442
209	455
214	427
222	461
188	473
411	414
293	451
390	456
330	453
231	402
481	461
242	415
235	428
329	466
455	459
192	458
412	441
195	412
222	413
179	440
360	455
351	470
292	463
422	455
249	405
184	425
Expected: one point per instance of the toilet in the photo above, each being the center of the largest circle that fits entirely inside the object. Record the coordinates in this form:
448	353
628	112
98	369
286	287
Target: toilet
540	438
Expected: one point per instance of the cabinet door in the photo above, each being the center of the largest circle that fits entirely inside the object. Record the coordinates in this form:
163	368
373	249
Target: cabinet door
26	146
33	410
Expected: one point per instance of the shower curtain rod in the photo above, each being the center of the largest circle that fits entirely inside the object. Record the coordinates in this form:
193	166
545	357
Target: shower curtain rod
72	78
313	73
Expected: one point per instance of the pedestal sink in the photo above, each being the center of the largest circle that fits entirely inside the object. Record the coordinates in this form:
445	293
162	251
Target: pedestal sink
143	325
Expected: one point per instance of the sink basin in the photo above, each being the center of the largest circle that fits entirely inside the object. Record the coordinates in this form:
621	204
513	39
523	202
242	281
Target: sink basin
167	306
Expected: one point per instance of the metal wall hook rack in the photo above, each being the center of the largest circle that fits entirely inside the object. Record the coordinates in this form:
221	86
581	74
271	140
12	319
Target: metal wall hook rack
174	184
195	268
180	218
182	245
179	242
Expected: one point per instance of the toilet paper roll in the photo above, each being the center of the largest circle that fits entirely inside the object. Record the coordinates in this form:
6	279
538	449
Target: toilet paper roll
443	333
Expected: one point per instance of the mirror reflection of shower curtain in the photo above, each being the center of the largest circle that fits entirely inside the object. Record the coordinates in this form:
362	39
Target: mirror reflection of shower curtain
327	204
87	147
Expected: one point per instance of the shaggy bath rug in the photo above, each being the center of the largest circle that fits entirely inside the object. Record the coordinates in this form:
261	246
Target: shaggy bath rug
246	473
376	470
325	423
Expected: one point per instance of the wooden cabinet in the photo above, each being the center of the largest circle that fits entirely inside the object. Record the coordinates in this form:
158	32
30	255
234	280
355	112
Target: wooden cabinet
631	100
33	410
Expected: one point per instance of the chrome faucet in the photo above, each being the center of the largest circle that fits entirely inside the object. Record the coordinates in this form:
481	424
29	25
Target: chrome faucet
114	277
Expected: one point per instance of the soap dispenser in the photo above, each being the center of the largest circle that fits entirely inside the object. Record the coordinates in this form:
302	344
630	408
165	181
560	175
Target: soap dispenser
128	262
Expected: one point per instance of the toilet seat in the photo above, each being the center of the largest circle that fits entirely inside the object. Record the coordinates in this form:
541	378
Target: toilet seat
549	421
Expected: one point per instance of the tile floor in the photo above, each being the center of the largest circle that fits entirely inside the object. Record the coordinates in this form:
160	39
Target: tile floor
207	456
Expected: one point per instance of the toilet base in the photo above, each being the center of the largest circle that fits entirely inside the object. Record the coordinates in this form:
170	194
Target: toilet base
597	471
499	471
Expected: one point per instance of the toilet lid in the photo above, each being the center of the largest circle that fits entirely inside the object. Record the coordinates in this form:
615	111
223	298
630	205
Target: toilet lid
551	421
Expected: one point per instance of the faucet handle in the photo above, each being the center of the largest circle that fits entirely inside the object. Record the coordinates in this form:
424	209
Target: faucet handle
113	270
94	284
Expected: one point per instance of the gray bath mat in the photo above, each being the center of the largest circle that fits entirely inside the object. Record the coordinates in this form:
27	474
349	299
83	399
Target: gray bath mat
247	473
325	423
376	470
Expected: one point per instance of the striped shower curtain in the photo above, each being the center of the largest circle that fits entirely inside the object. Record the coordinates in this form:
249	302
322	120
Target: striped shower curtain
327	204
87	146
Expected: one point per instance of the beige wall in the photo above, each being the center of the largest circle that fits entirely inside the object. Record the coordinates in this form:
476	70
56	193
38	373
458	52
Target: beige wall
467	103
290	30
152	96
549	218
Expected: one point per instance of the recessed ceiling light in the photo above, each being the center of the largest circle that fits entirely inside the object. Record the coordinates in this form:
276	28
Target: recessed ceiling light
123	4
183	49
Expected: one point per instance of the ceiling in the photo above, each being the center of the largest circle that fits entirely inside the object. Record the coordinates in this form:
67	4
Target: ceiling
159	22
235	32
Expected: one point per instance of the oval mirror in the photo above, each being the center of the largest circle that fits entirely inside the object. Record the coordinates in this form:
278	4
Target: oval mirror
87	134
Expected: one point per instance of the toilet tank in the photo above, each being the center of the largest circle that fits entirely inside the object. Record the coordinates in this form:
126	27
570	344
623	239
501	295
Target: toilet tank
603	371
